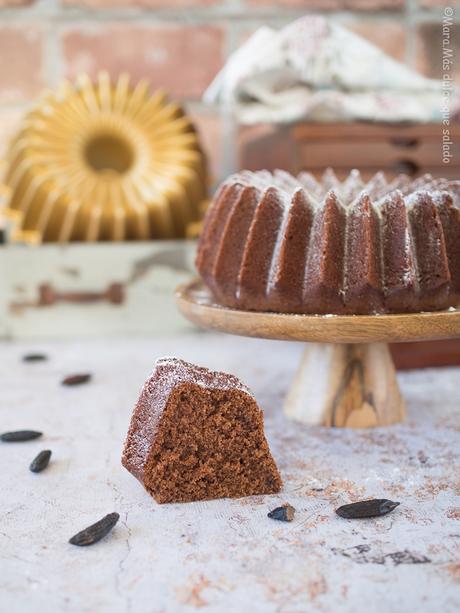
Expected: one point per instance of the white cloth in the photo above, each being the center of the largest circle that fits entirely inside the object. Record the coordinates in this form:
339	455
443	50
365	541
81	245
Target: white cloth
319	70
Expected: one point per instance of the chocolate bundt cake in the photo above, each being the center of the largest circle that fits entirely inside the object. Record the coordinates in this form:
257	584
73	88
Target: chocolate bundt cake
196	434
275	242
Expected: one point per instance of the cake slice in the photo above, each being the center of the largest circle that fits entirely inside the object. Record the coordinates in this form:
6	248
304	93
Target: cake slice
196	434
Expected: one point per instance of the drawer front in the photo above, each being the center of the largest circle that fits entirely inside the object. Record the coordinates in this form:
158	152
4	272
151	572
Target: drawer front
409	155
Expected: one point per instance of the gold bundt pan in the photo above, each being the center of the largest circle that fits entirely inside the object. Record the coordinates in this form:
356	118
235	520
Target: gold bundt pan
103	162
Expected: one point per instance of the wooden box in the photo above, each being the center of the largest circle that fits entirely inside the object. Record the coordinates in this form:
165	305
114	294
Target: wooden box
100	289
394	148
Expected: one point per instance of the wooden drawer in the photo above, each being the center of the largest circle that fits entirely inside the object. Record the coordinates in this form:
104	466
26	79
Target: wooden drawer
389	155
426	354
411	149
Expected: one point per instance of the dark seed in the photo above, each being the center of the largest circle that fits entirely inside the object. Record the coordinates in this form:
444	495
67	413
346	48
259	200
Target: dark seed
367	508
76	379
41	461
283	513
34	357
19	435
93	534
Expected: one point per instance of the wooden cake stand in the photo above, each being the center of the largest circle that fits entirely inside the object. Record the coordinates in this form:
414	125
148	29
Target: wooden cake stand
346	377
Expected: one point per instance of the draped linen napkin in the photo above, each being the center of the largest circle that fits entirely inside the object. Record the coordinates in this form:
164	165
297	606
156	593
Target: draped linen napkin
315	69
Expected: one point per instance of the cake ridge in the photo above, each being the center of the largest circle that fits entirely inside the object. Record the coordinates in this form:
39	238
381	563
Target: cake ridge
264	229
433	272
274	263
234	234
323	275
363	275
212	224
289	275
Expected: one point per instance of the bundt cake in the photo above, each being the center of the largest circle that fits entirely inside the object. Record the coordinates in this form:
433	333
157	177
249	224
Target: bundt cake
196	434
104	162
275	242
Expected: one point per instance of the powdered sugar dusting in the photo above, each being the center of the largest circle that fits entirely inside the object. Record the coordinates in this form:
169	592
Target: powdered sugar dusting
347	191
179	371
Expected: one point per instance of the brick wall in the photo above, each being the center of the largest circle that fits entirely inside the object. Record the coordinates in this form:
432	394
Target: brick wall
180	44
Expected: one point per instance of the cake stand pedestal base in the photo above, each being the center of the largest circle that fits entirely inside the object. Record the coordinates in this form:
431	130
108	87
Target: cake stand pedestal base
346	385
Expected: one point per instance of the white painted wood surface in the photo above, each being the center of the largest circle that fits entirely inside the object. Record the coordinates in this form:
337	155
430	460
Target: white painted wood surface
223	555
79	277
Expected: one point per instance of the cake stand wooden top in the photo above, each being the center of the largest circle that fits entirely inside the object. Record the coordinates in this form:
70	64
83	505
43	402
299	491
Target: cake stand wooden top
196	304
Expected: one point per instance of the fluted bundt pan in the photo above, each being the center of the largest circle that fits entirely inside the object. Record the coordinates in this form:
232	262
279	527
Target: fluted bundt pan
104	162
275	242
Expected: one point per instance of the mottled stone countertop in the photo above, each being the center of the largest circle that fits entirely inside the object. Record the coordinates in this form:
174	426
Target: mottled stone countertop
224	555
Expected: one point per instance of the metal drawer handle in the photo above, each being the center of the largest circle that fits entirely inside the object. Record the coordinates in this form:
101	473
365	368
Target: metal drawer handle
407	167
405	142
48	296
